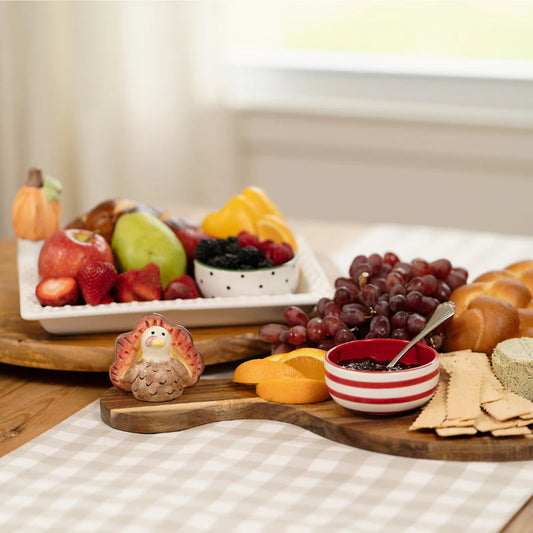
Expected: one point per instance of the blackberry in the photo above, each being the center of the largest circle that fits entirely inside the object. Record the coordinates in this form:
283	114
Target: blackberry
250	256
222	246
227	261
230	255
232	245
206	249
267	263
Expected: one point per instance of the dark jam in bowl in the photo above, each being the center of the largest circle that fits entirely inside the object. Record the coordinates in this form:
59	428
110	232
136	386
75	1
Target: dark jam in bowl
370	364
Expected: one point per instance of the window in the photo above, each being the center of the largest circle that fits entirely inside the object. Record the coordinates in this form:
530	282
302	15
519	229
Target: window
476	54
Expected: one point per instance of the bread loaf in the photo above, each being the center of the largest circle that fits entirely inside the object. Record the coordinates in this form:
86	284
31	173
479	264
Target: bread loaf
103	217
512	363
484	323
521	271
496	306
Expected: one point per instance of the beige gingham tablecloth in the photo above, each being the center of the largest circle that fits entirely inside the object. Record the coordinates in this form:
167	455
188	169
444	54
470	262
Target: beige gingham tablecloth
263	476
243	476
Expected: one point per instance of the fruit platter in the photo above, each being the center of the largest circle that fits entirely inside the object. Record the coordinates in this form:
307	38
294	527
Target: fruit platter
138	260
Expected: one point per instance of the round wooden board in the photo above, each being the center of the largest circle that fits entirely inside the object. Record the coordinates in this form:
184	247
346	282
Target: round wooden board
216	400
26	343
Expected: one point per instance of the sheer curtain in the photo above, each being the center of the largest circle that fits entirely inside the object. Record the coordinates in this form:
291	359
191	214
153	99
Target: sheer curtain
114	99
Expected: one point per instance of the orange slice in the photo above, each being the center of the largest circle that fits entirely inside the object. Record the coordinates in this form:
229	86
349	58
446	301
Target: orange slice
317	353
309	361
275	228
262	203
310	367
256	370
292	390
285	356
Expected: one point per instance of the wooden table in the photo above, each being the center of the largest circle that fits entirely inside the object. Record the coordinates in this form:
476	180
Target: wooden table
34	400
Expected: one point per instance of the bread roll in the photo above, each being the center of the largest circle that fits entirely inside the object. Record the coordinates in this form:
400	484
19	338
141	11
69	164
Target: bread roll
484	323
521	266
521	271
506	288
526	321
496	306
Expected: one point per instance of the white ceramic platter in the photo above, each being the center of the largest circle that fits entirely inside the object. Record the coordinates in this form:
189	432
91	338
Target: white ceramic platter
200	312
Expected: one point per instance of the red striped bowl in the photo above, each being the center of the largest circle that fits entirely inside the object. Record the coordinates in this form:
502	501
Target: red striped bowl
381	392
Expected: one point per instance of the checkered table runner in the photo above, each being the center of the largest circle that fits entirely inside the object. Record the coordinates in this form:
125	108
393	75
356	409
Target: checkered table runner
243	476
263	476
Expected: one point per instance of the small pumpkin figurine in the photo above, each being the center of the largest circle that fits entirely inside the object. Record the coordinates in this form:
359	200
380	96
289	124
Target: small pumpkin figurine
36	210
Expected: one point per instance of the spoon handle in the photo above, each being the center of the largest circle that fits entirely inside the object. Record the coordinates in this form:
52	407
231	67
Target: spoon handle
444	311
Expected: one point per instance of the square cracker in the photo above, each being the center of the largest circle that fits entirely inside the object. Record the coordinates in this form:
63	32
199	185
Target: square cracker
434	413
456	431
485	422
458	422
464	393
510	406
511	432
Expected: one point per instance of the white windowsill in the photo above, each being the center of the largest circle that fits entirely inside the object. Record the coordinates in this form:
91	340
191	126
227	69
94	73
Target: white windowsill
481	93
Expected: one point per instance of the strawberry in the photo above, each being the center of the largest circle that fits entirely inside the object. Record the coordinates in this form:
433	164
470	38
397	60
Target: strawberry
95	280
183	287
122	291
147	284
280	253
57	291
190	237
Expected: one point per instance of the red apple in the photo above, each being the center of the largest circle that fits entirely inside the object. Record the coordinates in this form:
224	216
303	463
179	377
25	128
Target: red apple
66	251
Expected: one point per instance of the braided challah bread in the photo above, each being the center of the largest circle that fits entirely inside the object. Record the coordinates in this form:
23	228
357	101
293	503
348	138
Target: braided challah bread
496	306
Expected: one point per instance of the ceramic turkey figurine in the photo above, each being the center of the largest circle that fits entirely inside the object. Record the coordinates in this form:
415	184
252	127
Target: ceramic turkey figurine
156	360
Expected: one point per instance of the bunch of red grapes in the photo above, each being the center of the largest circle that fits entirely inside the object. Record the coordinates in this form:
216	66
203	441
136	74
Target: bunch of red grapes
383	297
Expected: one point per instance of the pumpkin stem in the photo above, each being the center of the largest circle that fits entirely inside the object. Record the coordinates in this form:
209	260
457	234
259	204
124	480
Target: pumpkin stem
35	178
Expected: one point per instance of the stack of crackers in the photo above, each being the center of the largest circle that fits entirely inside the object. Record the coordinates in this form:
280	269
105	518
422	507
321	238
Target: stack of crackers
469	400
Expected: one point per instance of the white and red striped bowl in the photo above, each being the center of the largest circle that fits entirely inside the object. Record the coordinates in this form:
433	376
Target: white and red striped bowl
381	392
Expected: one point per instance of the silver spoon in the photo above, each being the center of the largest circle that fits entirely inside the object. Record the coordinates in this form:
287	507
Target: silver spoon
442	312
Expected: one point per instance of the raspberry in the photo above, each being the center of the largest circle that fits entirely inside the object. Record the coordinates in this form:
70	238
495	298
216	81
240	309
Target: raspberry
247	239
280	253
265	245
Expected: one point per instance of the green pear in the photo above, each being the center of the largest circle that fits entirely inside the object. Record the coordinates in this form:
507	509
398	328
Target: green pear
141	238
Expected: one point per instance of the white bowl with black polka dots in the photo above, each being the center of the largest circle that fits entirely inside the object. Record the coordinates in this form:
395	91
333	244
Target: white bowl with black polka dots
213	281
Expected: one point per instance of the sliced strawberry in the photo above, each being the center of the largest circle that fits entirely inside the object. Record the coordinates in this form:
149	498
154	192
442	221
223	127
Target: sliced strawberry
147	284
183	287
123	291
95	280
280	253
57	291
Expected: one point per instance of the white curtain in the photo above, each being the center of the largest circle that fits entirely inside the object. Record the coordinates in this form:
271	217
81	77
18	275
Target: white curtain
115	99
